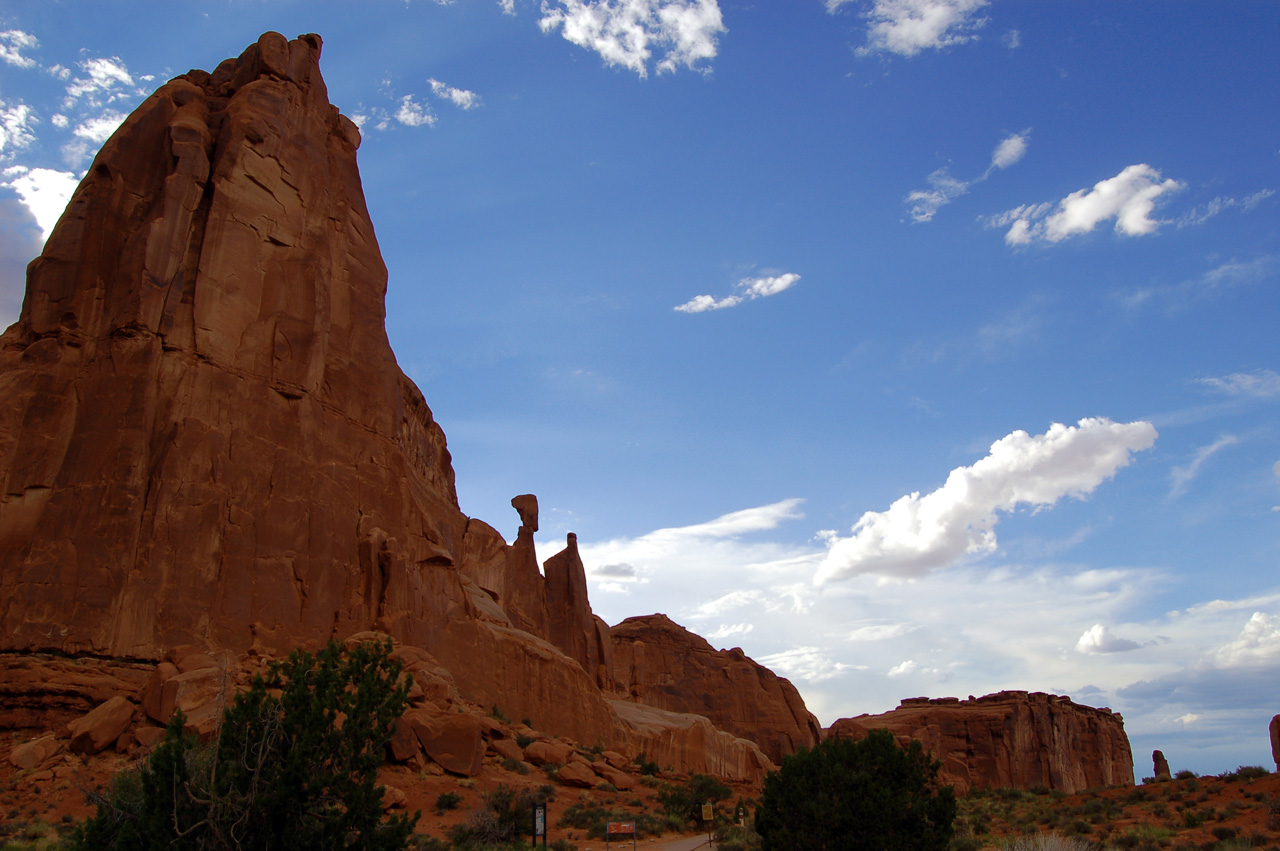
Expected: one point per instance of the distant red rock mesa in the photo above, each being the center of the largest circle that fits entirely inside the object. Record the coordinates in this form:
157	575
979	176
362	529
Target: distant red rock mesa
210	457
1011	738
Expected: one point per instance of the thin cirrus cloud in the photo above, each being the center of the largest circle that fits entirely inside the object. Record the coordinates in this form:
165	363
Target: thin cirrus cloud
626	34
747	290
1259	384
1182	477
924	204
919	534
907	27
1129	198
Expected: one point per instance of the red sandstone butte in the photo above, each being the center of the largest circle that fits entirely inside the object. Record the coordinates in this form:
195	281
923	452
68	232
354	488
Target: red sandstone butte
206	444
660	663
1011	738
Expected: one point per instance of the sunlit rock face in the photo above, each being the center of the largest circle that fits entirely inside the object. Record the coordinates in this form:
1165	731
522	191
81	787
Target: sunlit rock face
1011	738
662	664
204	435
206	444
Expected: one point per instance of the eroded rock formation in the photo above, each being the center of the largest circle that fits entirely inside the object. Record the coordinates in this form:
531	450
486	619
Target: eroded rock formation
1274	729
1011	738
209	454
662	664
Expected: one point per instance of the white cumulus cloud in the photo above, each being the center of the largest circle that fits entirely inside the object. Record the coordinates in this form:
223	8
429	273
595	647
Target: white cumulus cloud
1099	639
45	192
1257	644
918	534
748	289
624	32
1129	198
906	27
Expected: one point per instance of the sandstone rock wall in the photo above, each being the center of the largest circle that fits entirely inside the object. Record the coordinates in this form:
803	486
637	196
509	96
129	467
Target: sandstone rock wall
1011	738
204	435
660	663
206	445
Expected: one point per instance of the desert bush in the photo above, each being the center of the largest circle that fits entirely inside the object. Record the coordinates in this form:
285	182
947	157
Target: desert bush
293	766
645	765
856	796
507	816
447	801
515	766
1185	774
1246	773
736	837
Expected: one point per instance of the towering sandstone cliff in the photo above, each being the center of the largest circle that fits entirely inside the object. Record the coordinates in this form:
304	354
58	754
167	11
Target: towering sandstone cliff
206	443
1011	738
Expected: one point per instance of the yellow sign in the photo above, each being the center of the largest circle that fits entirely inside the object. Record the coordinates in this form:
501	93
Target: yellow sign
707	812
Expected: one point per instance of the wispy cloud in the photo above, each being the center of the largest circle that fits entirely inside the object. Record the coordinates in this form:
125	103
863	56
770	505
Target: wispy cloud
1181	477
626	33
1201	214
1213	283
924	204
461	98
919	534
811	664
906	27
1129	198
1261	384
12	43
747	289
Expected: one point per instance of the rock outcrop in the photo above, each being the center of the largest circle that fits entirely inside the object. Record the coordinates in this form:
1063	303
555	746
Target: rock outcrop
660	663
209	455
1274	729
1011	738
1160	766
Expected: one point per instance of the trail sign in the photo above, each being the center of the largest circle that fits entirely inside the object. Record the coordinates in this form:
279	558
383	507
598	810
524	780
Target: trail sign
708	812
619	828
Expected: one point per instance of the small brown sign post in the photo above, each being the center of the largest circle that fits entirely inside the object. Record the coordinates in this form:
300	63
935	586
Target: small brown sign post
622	829
709	816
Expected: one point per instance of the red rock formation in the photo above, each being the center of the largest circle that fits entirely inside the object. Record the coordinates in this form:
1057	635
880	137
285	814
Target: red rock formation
209	454
1011	738
201	358
1274	729
1160	766
662	664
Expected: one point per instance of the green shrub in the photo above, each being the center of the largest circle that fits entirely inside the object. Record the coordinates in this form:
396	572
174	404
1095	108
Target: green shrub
1247	772
861	796
447	801
646	766
1185	774
294	766
684	801
514	765
506	817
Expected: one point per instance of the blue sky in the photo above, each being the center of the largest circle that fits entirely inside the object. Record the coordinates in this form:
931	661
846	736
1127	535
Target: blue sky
918	347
